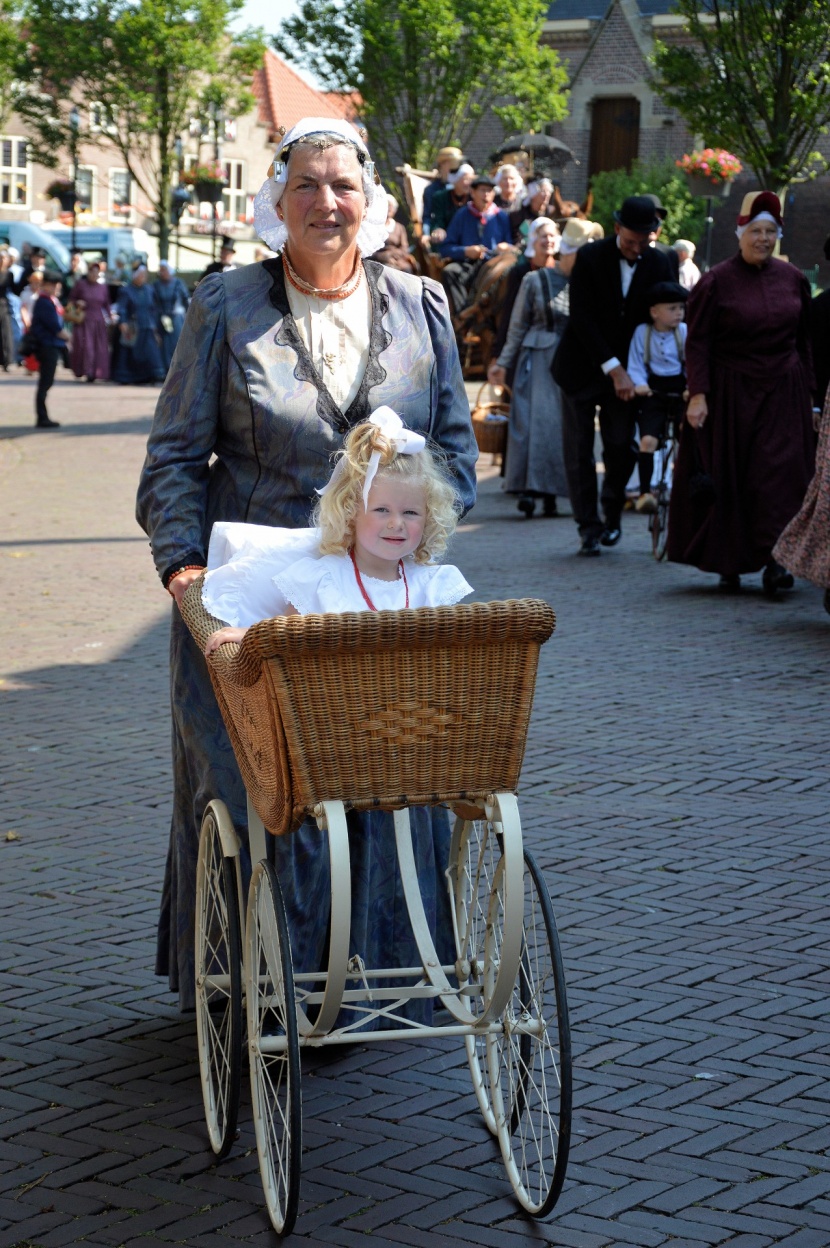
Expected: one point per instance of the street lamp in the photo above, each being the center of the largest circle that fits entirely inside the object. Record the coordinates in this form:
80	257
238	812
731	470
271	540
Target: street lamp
74	125
218	119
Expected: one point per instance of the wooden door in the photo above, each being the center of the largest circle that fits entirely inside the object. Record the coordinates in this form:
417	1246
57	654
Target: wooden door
615	133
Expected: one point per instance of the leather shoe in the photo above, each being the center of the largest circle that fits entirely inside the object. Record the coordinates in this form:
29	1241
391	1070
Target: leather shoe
527	505
775	578
827	601
611	534
589	547
47	424
729	583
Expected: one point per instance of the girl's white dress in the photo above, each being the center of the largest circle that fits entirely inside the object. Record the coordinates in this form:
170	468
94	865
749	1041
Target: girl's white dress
255	571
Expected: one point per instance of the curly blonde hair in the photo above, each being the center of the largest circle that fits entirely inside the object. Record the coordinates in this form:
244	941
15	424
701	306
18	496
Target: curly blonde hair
337	509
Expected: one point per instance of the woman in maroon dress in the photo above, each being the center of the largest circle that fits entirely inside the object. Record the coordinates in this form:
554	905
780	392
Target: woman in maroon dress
748	447
90	339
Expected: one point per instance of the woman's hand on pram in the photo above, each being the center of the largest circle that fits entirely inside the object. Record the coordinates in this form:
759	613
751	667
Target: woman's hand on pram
222	637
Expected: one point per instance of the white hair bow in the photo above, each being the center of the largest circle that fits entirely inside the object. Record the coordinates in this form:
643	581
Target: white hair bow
402	440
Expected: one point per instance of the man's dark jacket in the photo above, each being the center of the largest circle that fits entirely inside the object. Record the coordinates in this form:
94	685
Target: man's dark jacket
602	322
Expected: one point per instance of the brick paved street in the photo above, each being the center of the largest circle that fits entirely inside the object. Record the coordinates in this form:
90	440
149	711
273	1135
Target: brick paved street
675	792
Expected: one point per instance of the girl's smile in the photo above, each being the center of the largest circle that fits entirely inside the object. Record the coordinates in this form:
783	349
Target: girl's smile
390	528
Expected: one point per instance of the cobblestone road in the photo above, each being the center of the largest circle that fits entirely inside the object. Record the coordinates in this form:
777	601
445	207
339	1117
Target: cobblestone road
675	791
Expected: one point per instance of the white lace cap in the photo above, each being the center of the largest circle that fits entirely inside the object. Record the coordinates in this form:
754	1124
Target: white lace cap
740	230
402	440
372	234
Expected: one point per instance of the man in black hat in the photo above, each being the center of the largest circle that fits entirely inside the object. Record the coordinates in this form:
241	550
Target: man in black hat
225	263
475	234
608	300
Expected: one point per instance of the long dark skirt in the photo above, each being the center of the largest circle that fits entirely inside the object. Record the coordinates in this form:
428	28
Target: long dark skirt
758	447
205	768
535	461
141	362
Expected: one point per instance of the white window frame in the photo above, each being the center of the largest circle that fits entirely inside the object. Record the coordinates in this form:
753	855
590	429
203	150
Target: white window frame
93	189
13	170
235	199
96	127
119	218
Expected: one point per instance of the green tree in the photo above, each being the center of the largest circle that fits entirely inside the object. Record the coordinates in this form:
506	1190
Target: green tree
686	214
148	64
9	53
426	70
754	78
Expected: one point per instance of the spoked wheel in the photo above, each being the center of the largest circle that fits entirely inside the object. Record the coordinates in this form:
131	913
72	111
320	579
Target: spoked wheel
659	525
477	852
218	980
529	1061
274	1048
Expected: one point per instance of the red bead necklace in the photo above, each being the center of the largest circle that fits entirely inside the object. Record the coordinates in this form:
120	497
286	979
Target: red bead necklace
362	587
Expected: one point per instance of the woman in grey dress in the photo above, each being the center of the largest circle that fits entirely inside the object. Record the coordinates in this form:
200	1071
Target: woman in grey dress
535	467
276	362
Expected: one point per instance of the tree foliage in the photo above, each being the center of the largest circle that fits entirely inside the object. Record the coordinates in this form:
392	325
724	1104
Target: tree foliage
686	214
150	65
754	78
426	70
9	53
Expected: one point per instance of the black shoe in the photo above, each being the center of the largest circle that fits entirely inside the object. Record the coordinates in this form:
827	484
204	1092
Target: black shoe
549	506
611	534
47	424
589	547
775	578
827	601
729	584
527	505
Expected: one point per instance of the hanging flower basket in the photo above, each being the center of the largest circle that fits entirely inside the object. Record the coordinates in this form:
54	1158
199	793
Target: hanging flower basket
207	180
63	190
710	172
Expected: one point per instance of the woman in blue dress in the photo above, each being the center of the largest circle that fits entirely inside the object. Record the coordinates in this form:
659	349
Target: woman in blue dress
276	362
139	359
172	301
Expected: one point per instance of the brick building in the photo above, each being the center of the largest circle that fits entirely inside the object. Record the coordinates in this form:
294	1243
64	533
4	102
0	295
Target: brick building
108	196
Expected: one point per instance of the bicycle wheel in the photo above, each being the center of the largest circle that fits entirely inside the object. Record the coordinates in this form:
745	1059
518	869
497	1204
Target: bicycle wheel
660	524
274	1048
218	981
529	1061
476	854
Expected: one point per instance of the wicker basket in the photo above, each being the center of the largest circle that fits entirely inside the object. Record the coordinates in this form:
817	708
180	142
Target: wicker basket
377	710
490	419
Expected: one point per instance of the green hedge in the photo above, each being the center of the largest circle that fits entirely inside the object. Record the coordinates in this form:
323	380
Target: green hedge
686	213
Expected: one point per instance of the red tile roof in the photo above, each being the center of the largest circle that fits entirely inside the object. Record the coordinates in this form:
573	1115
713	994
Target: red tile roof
283	97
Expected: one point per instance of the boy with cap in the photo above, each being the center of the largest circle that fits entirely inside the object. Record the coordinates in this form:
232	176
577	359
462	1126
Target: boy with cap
656	365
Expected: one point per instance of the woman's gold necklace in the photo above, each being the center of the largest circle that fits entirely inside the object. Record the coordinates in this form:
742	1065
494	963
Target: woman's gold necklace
336	293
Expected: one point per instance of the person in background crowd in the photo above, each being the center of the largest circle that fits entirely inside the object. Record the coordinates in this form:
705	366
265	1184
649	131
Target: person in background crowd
77	269
525	264
226	262
447	201
575	234
172	300
395	251
477	232
510	188
51	337
34	261
654	237
689	274
749	424
535	203
535	468
13	298
609	299
28	297
449	158
90	337
139	360
7	353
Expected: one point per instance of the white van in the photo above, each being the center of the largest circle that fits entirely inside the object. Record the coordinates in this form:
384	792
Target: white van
119	247
16	233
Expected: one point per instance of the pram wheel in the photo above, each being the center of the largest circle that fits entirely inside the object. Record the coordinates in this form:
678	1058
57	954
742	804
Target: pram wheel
529	1060
274	1048
218	978
474	857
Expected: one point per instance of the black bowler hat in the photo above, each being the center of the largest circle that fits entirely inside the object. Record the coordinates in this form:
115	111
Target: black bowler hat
658	207
667	292
482	180
639	214
227	243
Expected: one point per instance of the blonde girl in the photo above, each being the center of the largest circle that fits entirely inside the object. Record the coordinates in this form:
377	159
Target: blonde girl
384	518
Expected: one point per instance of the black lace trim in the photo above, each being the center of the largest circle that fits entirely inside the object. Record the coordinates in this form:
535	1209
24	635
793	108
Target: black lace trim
379	339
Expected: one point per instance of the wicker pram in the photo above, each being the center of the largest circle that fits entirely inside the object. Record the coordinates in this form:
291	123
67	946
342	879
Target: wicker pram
383	710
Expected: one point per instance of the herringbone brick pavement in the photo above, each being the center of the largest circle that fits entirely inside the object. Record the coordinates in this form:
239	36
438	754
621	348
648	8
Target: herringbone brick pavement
675	792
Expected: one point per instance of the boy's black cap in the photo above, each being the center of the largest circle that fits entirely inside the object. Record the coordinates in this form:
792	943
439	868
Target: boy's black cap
667	292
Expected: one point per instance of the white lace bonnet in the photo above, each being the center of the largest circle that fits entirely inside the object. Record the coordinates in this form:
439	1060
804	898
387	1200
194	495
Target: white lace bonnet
372	234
